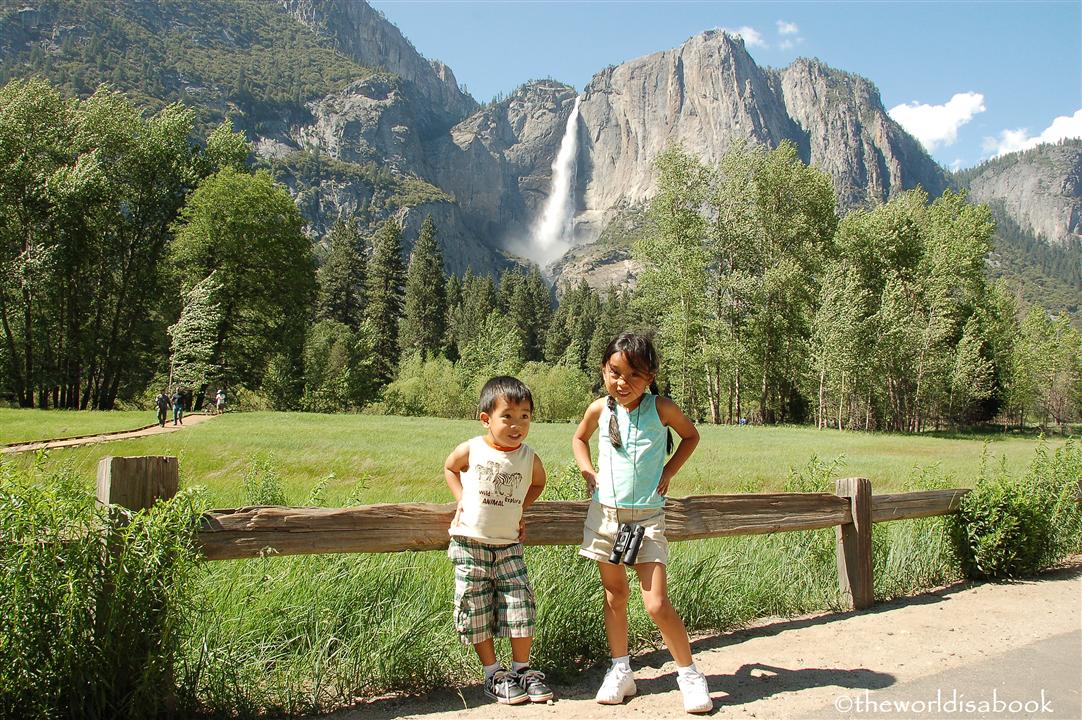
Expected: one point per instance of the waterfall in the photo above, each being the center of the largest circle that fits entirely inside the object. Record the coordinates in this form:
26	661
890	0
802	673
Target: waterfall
553	233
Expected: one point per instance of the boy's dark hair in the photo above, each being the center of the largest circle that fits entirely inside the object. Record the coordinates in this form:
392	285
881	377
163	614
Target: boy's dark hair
510	389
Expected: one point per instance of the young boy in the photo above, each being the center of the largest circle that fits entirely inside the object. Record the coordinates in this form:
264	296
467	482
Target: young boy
494	477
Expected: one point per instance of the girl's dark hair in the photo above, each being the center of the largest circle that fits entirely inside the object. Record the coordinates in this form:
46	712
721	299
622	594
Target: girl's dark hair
511	389
638	350
642	356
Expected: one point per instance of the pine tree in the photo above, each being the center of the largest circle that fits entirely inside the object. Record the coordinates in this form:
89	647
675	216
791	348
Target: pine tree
385	291
341	278
453	311
478	301
425	322
538	302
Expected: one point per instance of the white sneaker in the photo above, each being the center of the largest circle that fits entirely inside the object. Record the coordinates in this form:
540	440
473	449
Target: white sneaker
696	693
617	685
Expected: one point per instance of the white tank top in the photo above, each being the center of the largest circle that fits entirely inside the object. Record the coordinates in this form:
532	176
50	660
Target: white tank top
493	488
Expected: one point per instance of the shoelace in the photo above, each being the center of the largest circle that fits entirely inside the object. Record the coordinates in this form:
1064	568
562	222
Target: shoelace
531	676
497	683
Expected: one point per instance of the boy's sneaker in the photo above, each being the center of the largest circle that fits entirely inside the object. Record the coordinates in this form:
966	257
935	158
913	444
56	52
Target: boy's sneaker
503	687
531	682
617	685
696	693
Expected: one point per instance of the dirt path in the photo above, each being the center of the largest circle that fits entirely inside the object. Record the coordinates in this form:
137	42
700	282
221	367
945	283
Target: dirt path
154	429
994	642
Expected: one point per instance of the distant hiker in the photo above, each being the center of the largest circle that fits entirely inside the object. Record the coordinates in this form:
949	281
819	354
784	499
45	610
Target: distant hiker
178	407
219	401
494	477
162	401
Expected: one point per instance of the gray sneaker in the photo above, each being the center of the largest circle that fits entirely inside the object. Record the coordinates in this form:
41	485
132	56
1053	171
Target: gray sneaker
503	687
532	682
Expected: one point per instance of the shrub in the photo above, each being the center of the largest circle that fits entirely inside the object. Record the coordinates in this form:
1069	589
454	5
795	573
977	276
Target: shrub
560	393
91	601
434	387
1008	527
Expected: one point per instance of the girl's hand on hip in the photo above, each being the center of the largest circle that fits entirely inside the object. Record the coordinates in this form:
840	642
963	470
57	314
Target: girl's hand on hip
663	484
591	481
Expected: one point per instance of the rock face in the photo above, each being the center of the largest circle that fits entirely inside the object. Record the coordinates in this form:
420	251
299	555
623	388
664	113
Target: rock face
1041	189
709	93
365	35
850	136
497	162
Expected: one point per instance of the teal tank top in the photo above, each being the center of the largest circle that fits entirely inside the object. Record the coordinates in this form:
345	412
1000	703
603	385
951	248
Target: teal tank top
627	477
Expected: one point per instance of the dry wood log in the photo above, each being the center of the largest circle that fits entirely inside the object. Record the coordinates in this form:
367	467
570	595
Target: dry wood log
925	503
250	532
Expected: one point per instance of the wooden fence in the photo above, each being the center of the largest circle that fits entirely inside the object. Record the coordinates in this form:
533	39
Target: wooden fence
137	482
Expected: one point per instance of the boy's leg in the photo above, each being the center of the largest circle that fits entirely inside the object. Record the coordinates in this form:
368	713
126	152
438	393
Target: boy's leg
486	652
655	597
614	580
520	649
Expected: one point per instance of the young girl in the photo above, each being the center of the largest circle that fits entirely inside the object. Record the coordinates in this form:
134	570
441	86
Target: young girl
629	486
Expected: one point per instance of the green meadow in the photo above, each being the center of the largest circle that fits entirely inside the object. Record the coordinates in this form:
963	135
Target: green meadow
27	425
369	458
312	633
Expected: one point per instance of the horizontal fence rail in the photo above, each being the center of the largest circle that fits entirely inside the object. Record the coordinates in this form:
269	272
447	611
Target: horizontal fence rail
248	532
254	531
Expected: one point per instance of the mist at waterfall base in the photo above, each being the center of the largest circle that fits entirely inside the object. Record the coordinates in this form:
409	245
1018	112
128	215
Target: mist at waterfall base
553	233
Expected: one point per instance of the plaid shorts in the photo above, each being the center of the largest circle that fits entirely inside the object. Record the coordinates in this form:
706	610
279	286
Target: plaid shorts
493	596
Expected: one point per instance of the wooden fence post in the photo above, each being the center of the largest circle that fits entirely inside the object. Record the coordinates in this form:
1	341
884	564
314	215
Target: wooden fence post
136	483
854	544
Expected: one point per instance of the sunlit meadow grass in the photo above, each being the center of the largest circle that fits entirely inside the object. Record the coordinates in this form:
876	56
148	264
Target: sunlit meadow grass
398	459
27	425
301	634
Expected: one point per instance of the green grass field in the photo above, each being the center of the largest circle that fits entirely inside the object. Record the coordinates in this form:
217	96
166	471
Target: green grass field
399	459
27	425
304	634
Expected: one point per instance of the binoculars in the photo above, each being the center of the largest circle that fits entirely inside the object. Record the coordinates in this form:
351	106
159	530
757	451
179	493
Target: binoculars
626	547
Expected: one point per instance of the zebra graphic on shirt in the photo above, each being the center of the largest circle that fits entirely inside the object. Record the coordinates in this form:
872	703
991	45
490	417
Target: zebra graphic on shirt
501	484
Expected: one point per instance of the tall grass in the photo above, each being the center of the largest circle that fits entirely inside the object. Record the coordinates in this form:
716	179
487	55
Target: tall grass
303	634
92	603
295	635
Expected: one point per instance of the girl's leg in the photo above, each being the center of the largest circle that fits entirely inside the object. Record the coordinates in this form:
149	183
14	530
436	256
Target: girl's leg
655	596
614	579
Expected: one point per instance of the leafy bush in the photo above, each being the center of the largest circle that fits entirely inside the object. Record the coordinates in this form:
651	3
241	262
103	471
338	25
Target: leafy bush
91	601
434	387
1008	527
560	393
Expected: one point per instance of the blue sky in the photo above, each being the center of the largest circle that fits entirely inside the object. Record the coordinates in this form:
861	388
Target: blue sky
969	79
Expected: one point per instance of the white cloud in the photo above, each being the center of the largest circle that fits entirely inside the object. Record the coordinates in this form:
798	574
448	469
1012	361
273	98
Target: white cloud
788	34
935	125
752	37
1062	127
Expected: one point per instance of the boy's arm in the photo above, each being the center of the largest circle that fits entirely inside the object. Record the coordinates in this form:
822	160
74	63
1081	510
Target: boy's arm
580	443
534	492
538	483
672	416
456	462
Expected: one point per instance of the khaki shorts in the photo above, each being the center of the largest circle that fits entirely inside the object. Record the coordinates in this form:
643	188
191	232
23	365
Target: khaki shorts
599	533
